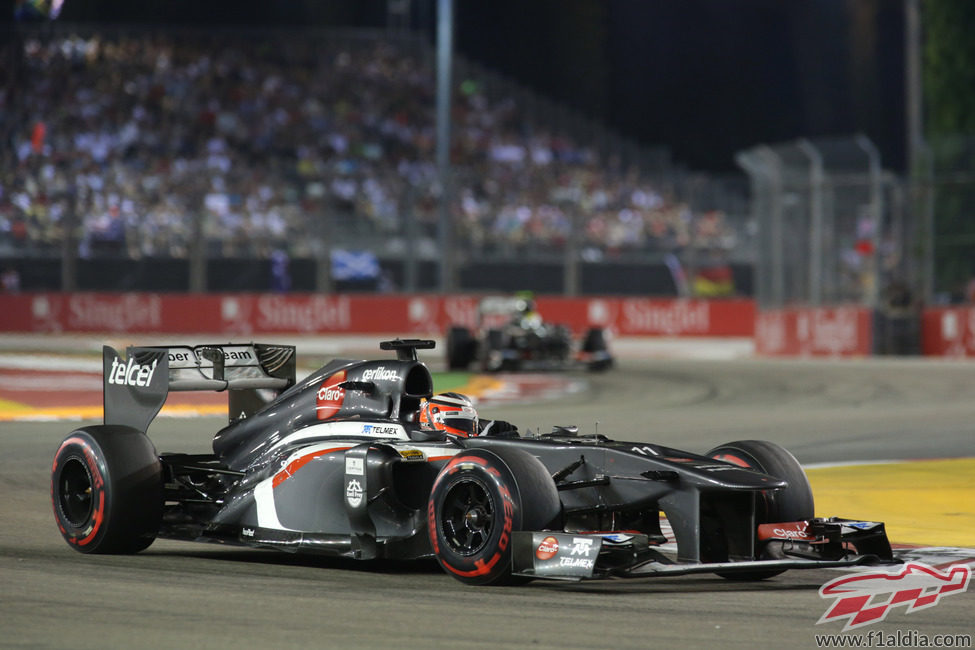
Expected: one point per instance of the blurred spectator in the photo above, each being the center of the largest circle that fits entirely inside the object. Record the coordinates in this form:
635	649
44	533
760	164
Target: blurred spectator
970	291
10	280
278	142
280	272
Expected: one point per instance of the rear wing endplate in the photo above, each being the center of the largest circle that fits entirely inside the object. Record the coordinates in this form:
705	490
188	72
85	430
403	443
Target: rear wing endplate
134	389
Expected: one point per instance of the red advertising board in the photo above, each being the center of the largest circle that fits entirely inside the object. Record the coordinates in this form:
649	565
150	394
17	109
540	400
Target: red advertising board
406	315
948	331
834	331
814	331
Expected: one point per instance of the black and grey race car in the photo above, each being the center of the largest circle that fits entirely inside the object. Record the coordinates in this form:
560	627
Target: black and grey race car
511	335
337	464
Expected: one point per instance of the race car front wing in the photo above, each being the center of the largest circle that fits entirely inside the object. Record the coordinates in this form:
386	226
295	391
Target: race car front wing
812	544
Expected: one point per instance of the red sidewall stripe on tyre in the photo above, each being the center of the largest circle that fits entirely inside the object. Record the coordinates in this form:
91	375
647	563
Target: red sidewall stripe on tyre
482	567
508	507
735	460
98	516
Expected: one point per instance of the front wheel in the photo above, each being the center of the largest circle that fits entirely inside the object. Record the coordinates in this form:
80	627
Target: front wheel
479	499
792	503
107	490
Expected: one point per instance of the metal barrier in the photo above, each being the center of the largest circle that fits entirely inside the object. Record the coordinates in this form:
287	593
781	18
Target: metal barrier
830	222
833	231
946	192
622	204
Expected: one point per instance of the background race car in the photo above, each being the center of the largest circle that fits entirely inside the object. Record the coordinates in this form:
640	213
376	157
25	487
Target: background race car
511	335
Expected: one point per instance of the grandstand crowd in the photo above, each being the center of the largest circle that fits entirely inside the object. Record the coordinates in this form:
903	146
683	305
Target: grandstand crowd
146	143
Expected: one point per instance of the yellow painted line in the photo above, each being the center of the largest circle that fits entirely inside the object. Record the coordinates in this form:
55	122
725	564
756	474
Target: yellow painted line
929	503
476	386
7	405
479	385
185	410
27	414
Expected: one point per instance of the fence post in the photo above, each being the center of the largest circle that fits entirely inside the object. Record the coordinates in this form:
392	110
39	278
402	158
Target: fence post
69	245
876	216
816	232
198	252
445	46
776	268
570	271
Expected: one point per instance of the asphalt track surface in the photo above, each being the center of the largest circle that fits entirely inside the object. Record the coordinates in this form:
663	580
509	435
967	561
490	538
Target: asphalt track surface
180	595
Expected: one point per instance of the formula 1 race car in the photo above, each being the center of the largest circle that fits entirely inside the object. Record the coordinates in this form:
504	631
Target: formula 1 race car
511	335
339	464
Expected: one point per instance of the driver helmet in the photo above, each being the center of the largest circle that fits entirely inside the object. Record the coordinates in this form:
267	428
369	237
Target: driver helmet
526	302
452	413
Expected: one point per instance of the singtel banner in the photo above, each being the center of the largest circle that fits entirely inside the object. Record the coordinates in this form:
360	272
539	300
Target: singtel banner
405	315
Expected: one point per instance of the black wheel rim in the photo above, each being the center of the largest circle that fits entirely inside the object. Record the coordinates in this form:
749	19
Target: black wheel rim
75	492
468	516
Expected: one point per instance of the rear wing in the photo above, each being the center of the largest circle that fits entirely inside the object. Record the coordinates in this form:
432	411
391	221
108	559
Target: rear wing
135	389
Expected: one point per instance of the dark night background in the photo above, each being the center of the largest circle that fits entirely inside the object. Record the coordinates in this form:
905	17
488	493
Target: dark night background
704	78
707	77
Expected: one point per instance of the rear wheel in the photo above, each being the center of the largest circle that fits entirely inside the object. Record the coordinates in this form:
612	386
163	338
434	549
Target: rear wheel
107	490
479	499
792	503
492	352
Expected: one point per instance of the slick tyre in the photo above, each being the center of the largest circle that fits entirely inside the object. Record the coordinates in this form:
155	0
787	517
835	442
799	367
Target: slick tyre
595	340
492	352
461	348
790	504
107	490
793	503
594	345
478	500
